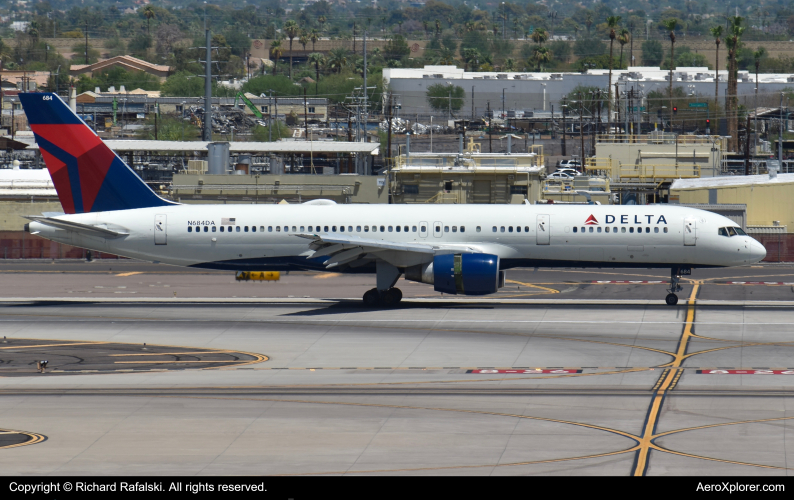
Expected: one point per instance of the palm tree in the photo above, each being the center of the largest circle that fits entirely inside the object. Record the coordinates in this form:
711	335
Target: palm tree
542	56
735	32
337	59
539	36
510	64
322	21
148	13
276	51
426	27
670	25
438	28
470	58
623	38
303	40
314	36
612	22
716	32
291	29
588	21
317	59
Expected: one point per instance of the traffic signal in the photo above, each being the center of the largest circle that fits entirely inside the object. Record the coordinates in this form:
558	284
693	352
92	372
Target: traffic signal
675	110
708	122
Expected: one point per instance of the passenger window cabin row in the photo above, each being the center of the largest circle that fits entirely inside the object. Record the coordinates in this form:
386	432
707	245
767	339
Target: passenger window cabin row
631	229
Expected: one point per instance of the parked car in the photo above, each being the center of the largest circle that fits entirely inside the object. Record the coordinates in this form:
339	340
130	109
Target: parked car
560	176
575	164
570	171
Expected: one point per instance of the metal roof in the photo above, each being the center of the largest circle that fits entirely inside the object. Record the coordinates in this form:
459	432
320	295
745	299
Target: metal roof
250	147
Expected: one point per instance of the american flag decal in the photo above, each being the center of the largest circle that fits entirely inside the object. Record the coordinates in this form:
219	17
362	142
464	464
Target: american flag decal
227	221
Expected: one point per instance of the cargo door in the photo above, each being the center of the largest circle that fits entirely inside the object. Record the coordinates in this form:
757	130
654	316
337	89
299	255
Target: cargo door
481	192
543	230
690	231
160	236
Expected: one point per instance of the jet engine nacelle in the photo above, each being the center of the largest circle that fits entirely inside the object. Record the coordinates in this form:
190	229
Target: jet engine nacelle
460	274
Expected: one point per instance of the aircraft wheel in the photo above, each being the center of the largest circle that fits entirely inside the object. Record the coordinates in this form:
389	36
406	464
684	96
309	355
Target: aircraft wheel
671	299
391	297
371	298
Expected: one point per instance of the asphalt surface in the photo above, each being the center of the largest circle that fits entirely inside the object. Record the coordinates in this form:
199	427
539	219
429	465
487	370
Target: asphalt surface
566	371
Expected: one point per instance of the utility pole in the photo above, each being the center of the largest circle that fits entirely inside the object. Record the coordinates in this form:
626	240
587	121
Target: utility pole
747	147
388	139
472	103
780	136
490	129
207	133
156	116
365	86
86	42
564	108
305	115
581	130
270	118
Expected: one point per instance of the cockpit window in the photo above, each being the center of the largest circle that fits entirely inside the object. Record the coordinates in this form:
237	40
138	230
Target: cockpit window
731	231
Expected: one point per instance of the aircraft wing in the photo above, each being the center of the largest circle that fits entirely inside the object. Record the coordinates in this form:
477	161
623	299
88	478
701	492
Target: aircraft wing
77	227
341	249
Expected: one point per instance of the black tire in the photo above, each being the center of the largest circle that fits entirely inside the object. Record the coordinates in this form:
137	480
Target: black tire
671	299
398	294
371	298
390	297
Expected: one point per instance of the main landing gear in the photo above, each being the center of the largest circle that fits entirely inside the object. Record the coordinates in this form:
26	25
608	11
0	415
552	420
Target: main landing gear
675	279
384	294
390	297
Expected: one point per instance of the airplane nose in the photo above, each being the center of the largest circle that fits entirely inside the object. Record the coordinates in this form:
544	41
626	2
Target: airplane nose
757	251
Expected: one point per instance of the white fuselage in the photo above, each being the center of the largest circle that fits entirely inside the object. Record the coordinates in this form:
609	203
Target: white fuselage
264	236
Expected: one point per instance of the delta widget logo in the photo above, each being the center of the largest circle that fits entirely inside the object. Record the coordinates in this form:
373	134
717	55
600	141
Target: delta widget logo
591	221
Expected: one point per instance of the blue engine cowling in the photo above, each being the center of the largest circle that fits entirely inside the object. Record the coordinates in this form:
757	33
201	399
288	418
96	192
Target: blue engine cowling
466	274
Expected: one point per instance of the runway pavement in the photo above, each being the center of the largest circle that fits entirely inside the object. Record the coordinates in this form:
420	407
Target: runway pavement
567	371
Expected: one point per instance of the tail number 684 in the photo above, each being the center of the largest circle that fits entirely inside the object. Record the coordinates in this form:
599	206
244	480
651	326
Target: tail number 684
46	98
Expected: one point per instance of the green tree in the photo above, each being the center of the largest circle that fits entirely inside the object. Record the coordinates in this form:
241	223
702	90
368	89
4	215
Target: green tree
623	38
182	84
612	23
470	59
291	29
276	51
652	53
443	97
670	25
475	40
262	134
539	36
396	48
148	13
733	41
279	84
338	59
318	60
542	56
170	128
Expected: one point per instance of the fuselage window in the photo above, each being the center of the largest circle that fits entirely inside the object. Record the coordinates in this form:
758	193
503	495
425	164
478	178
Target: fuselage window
238	229
526	229
206	229
374	229
622	229
510	229
518	229
366	229
494	229
583	229
229	229
446	229
454	229
358	228
591	229
349	229
397	228
270	229
391	228
261	229
656	229
341	229
575	229
333	228
294	229
631	229
190	229
647	230
598	230
213	229
438	229
286	229
462	229
302	228
606	229
405	228
253	229
478	229
502	229
221	228
665	230
326	229
383	229
246	229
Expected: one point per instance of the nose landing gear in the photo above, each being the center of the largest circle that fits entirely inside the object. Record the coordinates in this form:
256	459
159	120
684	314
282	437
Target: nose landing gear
675	279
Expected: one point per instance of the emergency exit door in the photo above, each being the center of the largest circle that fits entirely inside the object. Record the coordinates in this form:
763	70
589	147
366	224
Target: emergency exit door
543	230
160	235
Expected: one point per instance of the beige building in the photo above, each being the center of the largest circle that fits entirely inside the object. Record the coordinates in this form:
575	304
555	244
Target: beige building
471	177
127	63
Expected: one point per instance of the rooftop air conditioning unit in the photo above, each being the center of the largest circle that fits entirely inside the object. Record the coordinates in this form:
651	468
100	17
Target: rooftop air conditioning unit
556	76
790	79
438	75
501	76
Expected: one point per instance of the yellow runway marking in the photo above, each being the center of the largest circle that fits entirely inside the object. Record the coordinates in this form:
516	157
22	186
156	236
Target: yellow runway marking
668	378
549	290
326	276
35	438
133	273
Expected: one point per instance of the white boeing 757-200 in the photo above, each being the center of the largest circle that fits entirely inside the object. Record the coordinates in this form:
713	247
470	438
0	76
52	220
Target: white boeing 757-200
459	249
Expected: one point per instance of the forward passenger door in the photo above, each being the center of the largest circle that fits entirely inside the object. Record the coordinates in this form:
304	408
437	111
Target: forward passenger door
543	230
690	231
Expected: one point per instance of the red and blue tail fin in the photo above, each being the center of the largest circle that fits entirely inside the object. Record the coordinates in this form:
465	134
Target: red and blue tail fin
88	176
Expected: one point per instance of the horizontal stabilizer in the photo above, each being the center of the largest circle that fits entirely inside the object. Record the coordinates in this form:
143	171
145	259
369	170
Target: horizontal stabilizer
77	227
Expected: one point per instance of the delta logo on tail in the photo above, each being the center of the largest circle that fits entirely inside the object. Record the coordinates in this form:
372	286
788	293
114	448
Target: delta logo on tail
591	221
87	175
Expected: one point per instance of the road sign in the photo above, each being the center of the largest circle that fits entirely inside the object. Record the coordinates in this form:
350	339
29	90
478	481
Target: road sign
698	105
634	108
